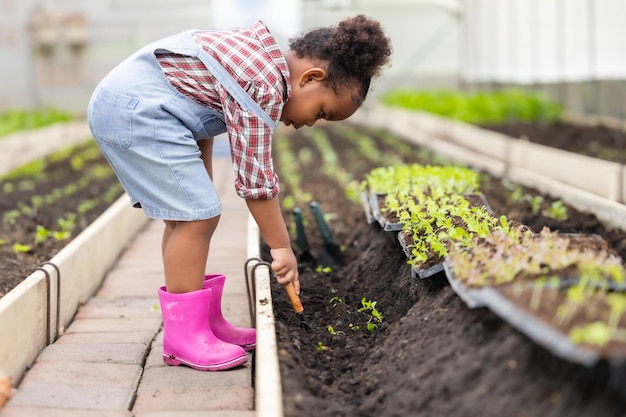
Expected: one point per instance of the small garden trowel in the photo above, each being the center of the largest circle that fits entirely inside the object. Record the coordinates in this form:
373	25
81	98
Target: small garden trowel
331	255
305	257
297	305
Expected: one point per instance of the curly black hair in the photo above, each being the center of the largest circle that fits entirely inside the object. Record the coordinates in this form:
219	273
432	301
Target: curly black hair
356	50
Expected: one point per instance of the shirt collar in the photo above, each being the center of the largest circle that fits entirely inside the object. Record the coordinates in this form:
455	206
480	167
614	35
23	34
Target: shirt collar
272	49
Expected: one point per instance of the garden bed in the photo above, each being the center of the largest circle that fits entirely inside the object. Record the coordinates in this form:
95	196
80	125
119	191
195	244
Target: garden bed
430	354
46	203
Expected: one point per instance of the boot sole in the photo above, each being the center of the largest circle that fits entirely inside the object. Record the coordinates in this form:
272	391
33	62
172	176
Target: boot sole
174	361
249	347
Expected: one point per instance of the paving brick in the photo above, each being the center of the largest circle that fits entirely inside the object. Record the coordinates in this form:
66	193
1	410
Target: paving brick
123	324
78	385
155	357
71	372
167	388
121	353
204	413
123	283
117	307
143	337
74	396
12	411
199	397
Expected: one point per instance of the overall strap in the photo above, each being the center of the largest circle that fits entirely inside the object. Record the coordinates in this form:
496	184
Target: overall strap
234	89
183	43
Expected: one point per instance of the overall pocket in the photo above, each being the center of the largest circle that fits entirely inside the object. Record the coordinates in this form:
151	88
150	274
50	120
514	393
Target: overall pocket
110	117
201	121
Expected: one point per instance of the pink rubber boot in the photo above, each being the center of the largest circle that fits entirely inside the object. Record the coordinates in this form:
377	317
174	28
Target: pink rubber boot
187	335
242	336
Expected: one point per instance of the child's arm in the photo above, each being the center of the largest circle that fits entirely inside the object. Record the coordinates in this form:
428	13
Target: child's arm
269	218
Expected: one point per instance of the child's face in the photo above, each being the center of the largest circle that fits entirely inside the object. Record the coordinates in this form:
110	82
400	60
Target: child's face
311	100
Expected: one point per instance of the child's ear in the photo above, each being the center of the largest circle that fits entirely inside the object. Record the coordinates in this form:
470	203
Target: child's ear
312	74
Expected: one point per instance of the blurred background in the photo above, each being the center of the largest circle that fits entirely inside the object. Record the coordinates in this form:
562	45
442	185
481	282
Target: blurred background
54	52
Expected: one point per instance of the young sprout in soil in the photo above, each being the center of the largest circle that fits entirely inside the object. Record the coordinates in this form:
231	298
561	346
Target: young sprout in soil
353	327
20	248
335	300
557	211
617	302
535	203
377	317
334	332
596	334
41	234
320	347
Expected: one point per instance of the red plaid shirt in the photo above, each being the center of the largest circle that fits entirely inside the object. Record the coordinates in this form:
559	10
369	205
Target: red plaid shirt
252	57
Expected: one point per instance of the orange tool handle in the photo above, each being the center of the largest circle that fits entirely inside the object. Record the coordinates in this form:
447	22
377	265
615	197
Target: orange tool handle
293	297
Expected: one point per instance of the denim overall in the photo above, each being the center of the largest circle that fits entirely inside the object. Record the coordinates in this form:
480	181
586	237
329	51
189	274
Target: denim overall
148	132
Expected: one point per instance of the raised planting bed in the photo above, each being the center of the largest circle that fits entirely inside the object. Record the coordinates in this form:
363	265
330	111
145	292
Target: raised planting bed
503	155
64	222
47	202
422	348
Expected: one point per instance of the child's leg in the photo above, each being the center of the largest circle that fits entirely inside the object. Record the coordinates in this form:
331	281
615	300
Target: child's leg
206	153
185	248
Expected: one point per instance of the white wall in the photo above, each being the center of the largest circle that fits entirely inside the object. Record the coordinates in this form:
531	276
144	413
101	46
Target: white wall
543	41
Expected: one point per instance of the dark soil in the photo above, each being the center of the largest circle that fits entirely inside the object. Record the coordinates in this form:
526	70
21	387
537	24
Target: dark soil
76	180
431	355
597	141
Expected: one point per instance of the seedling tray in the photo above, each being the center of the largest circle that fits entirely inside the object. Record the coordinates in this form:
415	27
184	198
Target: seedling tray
367	208
473	297
385	223
536	330
422	273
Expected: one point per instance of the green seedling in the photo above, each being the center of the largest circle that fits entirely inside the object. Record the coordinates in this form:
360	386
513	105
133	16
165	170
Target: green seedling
535	203
596	333
41	234
11	216
557	211
377	317
617	301
320	347
334	332
68	223
335	300
20	248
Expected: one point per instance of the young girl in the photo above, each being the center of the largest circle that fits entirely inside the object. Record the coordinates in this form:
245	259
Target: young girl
154	117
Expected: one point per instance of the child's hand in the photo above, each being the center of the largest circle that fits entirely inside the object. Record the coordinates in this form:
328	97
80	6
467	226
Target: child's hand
285	266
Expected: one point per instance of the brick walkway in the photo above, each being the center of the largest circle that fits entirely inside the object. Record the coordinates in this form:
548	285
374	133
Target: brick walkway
108	362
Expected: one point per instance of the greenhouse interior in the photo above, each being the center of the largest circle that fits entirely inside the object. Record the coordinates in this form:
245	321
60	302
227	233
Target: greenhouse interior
414	208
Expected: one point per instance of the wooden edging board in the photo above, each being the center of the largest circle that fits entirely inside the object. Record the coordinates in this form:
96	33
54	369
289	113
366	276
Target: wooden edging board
267	386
